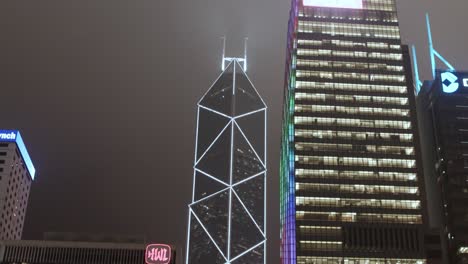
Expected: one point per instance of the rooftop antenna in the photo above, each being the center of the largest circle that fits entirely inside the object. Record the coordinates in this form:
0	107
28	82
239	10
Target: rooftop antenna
245	54
229	59
433	53
223	63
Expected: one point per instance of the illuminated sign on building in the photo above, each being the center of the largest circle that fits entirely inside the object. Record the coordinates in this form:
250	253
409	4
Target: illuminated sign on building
334	3
451	81
158	254
15	136
8	136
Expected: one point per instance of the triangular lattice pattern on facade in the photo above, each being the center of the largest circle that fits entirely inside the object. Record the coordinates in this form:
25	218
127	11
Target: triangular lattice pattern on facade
227	221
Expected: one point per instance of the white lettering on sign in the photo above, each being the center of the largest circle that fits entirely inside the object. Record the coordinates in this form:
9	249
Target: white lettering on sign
9	136
465	82
158	254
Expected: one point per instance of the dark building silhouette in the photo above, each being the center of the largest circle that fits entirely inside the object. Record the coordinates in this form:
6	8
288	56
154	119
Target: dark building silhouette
64	252
443	118
227	221
352	188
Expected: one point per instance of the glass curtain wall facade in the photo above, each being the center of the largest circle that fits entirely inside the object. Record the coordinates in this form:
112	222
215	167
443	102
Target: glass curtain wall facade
351	186
443	118
227	222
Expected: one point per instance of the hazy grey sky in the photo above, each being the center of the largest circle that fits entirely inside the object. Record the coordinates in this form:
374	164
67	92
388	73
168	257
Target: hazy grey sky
105	95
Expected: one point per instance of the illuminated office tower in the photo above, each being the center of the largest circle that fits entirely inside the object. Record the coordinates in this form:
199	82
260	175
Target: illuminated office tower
227	221
351	184
16	175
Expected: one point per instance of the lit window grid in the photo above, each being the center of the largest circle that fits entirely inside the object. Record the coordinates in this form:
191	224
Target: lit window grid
349	110
409	178
390	100
381	5
350	66
337	87
357	189
340	54
288	223
349	30
287	196
333	217
348	44
351	260
401	139
353	76
371	5
361	56
17	180
331	203
301	147
462	250
355	161
352	122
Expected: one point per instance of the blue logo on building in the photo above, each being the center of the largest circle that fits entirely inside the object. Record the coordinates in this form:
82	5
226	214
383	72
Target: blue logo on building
449	82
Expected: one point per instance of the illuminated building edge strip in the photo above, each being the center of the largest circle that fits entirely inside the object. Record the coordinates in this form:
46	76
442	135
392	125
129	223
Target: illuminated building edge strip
16	138
232	123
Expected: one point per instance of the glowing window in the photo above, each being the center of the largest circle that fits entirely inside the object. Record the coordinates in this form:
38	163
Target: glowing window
334	3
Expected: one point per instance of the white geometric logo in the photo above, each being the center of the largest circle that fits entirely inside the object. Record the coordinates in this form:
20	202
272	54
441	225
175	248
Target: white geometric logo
449	82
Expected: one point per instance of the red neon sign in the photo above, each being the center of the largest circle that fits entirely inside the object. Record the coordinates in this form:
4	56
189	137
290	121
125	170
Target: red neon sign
158	254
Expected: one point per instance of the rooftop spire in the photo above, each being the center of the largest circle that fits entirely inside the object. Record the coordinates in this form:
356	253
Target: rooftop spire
229	59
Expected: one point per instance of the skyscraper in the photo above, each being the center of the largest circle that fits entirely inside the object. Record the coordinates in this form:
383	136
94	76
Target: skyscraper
227	221
443	117
351	184
16	175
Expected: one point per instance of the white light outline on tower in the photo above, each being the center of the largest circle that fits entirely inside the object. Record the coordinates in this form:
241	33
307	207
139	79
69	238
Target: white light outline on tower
214	111
233	120
187	246
211	195
230	171
231	185
265	185
211	145
208	233
196	134
249	178
250	145
247	210
231	59
253	112
263	102
247	251
211	176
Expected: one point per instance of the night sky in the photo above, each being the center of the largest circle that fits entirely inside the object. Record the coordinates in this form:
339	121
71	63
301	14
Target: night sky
104	93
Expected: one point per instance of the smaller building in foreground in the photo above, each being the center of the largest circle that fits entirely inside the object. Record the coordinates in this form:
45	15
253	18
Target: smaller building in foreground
16	175
67	252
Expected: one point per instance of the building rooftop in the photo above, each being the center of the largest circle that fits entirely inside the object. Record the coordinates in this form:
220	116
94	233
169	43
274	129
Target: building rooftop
15	136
